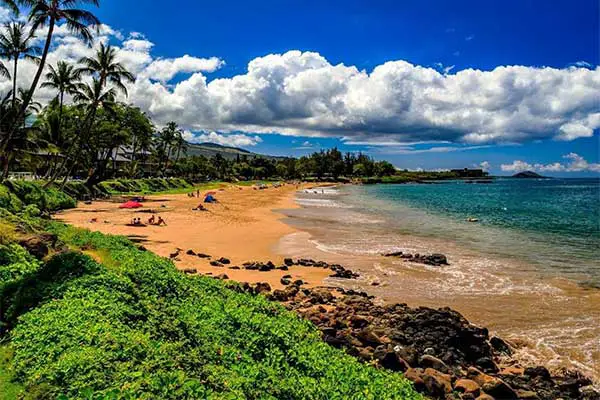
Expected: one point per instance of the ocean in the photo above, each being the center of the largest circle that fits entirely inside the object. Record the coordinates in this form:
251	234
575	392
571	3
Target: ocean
528	268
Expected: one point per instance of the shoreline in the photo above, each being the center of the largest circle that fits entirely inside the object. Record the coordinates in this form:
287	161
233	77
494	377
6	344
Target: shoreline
228	230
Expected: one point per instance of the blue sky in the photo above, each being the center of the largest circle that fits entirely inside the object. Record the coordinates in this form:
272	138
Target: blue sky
436	34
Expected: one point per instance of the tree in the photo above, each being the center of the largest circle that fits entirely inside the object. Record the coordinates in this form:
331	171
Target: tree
65	80
16	42
48	13
106	69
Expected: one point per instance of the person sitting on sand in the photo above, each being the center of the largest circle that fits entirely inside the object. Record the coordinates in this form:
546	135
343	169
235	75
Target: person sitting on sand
200	208
161	221
151	220
93	220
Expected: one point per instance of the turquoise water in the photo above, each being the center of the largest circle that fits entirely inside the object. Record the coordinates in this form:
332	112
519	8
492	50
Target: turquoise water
553	224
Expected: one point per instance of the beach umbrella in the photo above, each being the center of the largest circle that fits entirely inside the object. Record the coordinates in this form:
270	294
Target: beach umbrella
131	204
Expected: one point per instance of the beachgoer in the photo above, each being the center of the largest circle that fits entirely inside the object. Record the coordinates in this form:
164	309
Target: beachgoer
161	221
198	193
151	220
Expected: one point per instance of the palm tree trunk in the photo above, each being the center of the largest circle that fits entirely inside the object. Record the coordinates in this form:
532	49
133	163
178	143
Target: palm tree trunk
14	93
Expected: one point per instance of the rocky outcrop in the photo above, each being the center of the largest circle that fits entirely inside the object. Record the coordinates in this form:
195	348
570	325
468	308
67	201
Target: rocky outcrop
435	260
444	355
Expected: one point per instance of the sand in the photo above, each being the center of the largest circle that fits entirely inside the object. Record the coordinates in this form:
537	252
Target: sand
243	226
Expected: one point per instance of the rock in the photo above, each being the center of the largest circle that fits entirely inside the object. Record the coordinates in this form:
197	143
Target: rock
467	386
359	321
262	287
202	255
289	262
285	281
222	277
321	296
429	351
190	253
428	361
190	271
234	267
283	268
527	395
37	246
224	261
394	254
487	364
215	263
500	346
298	282
499	389
366	353
279	295
388	359
534	372
415	375
287	277
368	337
438	259
436	382
265	267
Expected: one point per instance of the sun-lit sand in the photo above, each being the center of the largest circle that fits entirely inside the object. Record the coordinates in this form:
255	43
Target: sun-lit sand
242	227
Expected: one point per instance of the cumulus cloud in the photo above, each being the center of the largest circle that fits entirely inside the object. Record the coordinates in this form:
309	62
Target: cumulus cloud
235	140
573	163
485	165
302	93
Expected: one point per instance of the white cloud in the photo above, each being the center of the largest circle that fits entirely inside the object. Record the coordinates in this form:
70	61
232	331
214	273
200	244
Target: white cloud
517	166
469	38
235	140
485	165
165	69
302	93
575	163
583	64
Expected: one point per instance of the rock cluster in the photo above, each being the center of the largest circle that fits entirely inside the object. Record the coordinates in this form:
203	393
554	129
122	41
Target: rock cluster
435	260
444	355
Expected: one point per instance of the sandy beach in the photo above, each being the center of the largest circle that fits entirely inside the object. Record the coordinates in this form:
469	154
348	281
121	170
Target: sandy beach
243	226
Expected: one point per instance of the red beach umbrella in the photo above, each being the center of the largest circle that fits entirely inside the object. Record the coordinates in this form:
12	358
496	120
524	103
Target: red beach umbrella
131	204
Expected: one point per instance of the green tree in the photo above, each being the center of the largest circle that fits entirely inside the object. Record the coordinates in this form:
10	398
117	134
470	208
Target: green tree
49	13
16	43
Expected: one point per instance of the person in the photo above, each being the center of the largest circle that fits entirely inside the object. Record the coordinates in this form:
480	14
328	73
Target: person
151	220
200	208
161	221
198	193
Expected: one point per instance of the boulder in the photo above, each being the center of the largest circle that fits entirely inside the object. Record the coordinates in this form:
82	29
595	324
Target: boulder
527	395
289	262
467	386
415	375
202	255
190	253
224	261
262	287
215	263
500	346
388	359
222	277
190	271
436	382
428	361
38	246
534	372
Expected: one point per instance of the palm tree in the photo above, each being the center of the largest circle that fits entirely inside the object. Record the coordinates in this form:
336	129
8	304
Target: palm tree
181	145
16	42
49	13
105	67
64	79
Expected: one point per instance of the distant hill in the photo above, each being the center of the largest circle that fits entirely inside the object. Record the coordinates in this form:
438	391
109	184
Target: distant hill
211	149
528	175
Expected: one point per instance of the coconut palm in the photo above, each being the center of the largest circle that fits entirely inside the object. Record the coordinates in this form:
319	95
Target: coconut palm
48	13
106	69
16	42
181	146
65	80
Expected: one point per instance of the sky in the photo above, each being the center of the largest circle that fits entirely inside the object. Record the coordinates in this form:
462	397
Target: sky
506	86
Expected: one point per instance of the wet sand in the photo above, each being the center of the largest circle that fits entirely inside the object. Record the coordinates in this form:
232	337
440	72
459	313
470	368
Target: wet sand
243	226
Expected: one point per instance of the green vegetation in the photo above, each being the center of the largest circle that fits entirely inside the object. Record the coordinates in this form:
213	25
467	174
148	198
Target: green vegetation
126	324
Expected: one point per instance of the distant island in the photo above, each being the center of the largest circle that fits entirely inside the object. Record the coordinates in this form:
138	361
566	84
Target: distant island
528	175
